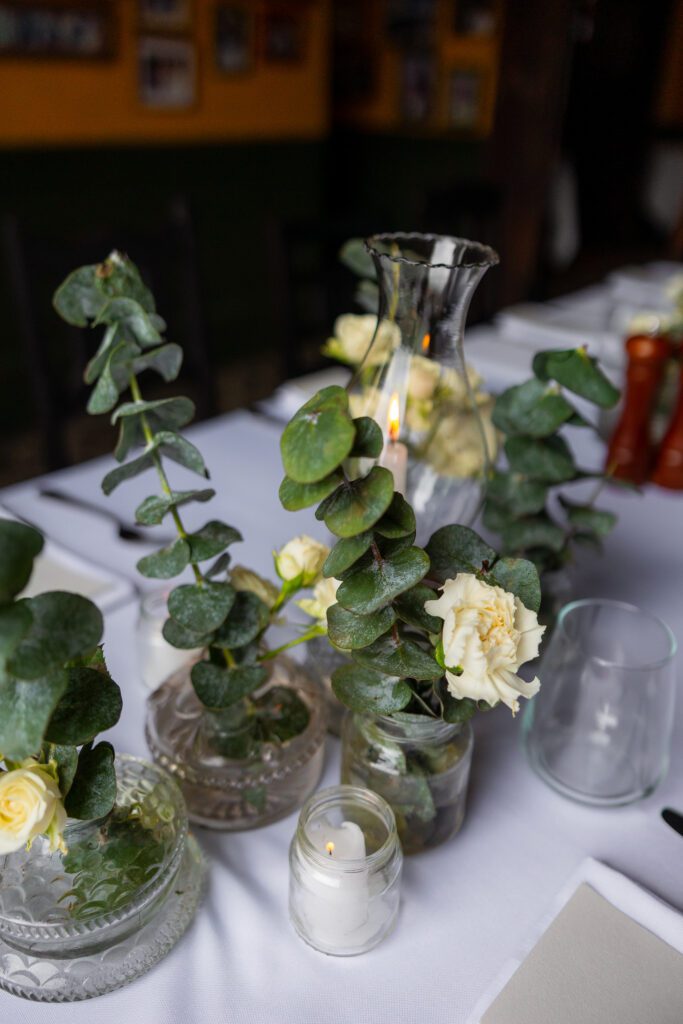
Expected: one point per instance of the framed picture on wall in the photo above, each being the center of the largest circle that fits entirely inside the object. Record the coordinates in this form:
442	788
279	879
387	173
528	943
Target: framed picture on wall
284	34
234	38
167	78
165	15
466	98
79	30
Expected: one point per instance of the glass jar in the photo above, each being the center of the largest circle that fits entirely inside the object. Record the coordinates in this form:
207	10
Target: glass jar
415	381
345	871
421	767
157	659
79	924
600	729
229	779
321	659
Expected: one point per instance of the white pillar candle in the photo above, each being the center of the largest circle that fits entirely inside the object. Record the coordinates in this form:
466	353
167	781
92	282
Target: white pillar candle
394	455
335	900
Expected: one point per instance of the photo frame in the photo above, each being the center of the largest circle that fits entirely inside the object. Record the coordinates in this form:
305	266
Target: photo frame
165	15
167	74
234	38
60	30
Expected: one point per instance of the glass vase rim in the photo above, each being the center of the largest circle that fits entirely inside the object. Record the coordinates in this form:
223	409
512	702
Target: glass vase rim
344	793
428	726
489	256
624	606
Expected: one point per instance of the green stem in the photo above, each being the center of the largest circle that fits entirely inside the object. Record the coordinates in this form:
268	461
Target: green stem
424	704
310	634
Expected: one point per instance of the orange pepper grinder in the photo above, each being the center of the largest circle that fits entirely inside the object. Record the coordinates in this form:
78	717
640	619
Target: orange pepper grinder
630	452
669	467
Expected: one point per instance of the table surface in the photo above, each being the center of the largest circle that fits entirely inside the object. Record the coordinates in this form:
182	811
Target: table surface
466	906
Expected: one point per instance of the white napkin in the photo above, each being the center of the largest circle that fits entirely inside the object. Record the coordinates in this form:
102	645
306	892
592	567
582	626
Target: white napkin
640	906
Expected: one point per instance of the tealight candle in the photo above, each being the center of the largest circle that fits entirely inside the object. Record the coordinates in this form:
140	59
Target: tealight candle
395	454
345	867
157	658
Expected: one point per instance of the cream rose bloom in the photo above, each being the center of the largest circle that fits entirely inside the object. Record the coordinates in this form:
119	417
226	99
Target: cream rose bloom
324	596
30	804
301	556
457	447
242	578
353	334
489	634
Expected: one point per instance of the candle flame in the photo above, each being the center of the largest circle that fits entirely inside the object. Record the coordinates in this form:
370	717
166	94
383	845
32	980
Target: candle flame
425	343
394	418
330	848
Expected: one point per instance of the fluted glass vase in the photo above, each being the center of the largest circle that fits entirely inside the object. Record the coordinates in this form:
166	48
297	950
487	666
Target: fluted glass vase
415	380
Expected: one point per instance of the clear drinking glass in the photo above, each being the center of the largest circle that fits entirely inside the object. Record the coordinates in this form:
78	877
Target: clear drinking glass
599	730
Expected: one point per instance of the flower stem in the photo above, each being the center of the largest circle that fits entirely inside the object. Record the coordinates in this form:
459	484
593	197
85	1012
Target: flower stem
308	635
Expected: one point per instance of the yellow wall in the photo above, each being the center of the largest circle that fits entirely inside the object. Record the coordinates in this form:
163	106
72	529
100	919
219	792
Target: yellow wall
77	101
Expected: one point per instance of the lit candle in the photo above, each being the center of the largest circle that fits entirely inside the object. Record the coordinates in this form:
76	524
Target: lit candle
344	876
395	454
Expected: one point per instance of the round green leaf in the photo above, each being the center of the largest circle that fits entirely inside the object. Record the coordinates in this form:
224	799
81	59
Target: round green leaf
549	459
25	709
410	607
221	687
370	589
369	441
368	692
398	520
281	714
248	617
167	562
19	545
184	639
345	553
211	540
91	704
64	626
201	609
319	437
454	549
577	371
93	790
534	532
399	657
358	504
533	409
519	577
294	496
349	631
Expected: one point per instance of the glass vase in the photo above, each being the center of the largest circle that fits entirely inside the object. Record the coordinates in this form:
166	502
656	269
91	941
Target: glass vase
230	778
439	440
321	659
420	766
80	924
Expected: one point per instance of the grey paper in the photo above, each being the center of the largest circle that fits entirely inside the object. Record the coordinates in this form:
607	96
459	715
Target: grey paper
593	965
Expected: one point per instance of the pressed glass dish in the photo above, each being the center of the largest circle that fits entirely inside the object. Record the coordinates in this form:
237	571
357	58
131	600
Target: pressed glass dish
227	783
77	925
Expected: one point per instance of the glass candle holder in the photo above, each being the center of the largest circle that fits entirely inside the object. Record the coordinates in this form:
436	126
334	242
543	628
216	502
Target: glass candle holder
345	871
600	729
156	657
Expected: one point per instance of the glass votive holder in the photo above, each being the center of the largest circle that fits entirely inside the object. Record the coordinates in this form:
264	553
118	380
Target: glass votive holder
599	730
156	657
345	871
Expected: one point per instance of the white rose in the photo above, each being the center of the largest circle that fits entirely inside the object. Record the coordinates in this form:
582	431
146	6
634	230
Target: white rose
301	556
324	596
423	377
245	579
489	634
30	804
353	334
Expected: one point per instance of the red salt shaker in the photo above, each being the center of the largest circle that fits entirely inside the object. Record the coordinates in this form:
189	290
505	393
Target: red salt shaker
668	470
630	454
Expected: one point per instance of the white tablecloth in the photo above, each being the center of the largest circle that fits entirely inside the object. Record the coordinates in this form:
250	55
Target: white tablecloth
468	905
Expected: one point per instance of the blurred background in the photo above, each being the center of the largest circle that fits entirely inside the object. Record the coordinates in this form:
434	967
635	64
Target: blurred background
231	147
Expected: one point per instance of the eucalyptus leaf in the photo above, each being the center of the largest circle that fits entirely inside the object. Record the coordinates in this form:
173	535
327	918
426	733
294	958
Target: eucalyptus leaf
519	577
132	318
346	553
213	538
455	710
398	520
174	412
359	504
166	361
185	639
19	545
410	607
79	298
369	441
178	448
578	372
295	496
354	255
166	562
246	620
93	790
399	657
587	518
91	703
368	692
319	437
549	460
370	589
517	495
533	532
201	608
281	714
64	626
66	759
15	622
454	549
532	409
25	710
118	275
222	687
349	631
152	510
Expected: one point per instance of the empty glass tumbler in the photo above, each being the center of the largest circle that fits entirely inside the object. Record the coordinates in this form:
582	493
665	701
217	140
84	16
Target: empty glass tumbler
599	730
